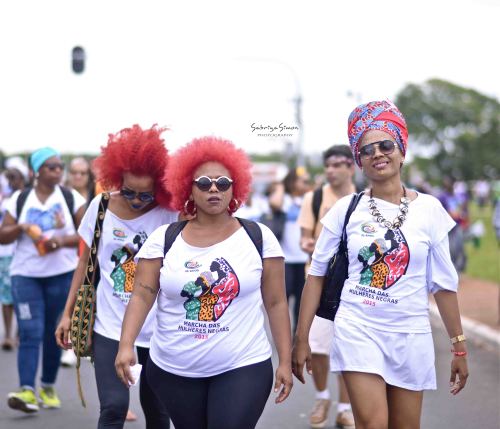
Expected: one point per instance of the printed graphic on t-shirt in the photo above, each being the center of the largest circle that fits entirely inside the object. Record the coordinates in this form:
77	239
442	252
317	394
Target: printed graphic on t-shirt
53	218
211	293
384	264
123	273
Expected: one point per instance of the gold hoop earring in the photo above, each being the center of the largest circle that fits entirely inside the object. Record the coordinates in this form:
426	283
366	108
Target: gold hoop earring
234	205
189	210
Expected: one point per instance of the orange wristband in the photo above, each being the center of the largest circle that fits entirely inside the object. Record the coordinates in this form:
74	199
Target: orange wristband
459	354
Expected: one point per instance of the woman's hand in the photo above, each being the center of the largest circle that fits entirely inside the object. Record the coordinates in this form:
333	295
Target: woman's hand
63	333
53	244
284	380
458	368
301	353
125	358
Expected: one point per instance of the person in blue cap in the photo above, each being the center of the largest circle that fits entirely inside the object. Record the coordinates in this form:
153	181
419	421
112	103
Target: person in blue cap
42	220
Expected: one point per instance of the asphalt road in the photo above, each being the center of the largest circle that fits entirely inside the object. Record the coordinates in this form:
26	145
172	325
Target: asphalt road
478	406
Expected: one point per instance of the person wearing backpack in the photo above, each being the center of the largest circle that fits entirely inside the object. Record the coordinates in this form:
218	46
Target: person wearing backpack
339	172
133	165
43	219
210	360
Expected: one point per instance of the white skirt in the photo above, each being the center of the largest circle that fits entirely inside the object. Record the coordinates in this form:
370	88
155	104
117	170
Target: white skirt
401	359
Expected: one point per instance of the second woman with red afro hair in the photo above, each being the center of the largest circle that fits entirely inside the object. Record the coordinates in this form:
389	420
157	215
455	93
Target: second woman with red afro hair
209	342
133	165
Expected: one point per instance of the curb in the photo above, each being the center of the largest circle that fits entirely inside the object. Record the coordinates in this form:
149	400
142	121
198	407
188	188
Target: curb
480	330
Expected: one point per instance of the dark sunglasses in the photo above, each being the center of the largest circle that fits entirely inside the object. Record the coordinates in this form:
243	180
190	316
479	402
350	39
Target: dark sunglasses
204	183
386	147
52	166
145	197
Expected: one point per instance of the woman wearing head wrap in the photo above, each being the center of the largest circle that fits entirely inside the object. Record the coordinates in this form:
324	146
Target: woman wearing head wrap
382	335
133	164
43	220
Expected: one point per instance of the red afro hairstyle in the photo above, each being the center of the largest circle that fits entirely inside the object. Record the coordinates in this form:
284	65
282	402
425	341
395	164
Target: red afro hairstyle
186	160
136	151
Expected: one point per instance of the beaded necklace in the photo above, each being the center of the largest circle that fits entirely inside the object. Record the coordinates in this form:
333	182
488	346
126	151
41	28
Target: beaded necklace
398	220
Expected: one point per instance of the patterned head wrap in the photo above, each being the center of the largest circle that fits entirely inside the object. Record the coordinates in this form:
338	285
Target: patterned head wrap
376	115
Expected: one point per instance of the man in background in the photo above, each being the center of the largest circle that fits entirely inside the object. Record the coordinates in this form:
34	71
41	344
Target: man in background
339	171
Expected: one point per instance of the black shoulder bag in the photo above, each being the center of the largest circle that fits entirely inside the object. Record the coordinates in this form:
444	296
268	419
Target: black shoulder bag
337	271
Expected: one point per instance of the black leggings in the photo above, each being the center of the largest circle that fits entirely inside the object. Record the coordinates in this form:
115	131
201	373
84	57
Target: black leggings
232	400
114	397
295	278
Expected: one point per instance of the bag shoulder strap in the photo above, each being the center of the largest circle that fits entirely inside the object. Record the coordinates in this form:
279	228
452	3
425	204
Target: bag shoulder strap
254	232
316	204
21	200
70	202
92	263
171	233
352	206
252	229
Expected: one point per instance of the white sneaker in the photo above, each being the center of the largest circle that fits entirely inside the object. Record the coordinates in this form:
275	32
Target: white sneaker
68	358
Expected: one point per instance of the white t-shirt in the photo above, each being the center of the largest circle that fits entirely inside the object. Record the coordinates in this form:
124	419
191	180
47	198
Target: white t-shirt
390	275
210	318
54	219
120	241
291	234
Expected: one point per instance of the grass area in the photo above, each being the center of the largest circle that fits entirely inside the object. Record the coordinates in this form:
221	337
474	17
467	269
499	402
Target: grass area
483	262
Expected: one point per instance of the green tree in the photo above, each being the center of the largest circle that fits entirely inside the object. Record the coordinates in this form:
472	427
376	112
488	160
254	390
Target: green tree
459	128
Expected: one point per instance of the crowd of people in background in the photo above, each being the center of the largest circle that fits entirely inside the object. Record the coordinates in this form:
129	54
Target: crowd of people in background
48	211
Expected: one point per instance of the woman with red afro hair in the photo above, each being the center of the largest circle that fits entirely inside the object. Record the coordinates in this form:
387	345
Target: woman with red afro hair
132	165
136	151
210	276
208	149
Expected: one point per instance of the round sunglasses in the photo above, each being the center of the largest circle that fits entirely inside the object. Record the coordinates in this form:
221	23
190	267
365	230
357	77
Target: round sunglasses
204	183
386	147
145	197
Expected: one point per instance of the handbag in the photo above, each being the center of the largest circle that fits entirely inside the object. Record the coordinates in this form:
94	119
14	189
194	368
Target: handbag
337	271
275	220
82	319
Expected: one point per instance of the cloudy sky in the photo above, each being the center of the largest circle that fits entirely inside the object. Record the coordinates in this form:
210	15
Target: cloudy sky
217	67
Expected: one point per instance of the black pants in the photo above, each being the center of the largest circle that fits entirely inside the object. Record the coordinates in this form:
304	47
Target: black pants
232	400
295	278
114	397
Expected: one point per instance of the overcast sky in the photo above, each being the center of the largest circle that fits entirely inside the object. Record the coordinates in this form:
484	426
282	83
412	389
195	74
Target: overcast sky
217	67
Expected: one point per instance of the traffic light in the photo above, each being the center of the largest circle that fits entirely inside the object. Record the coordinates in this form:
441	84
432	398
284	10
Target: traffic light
78	59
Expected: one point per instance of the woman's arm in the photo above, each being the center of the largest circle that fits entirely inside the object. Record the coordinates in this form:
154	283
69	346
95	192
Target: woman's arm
275	302
309	303
10	229
146	287
448	309
277	197
63	328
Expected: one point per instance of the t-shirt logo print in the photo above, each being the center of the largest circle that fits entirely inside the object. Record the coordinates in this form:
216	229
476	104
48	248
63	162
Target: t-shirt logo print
209	297
123	273
384	265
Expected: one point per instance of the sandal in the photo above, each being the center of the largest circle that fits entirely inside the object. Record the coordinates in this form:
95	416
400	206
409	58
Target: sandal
8	345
